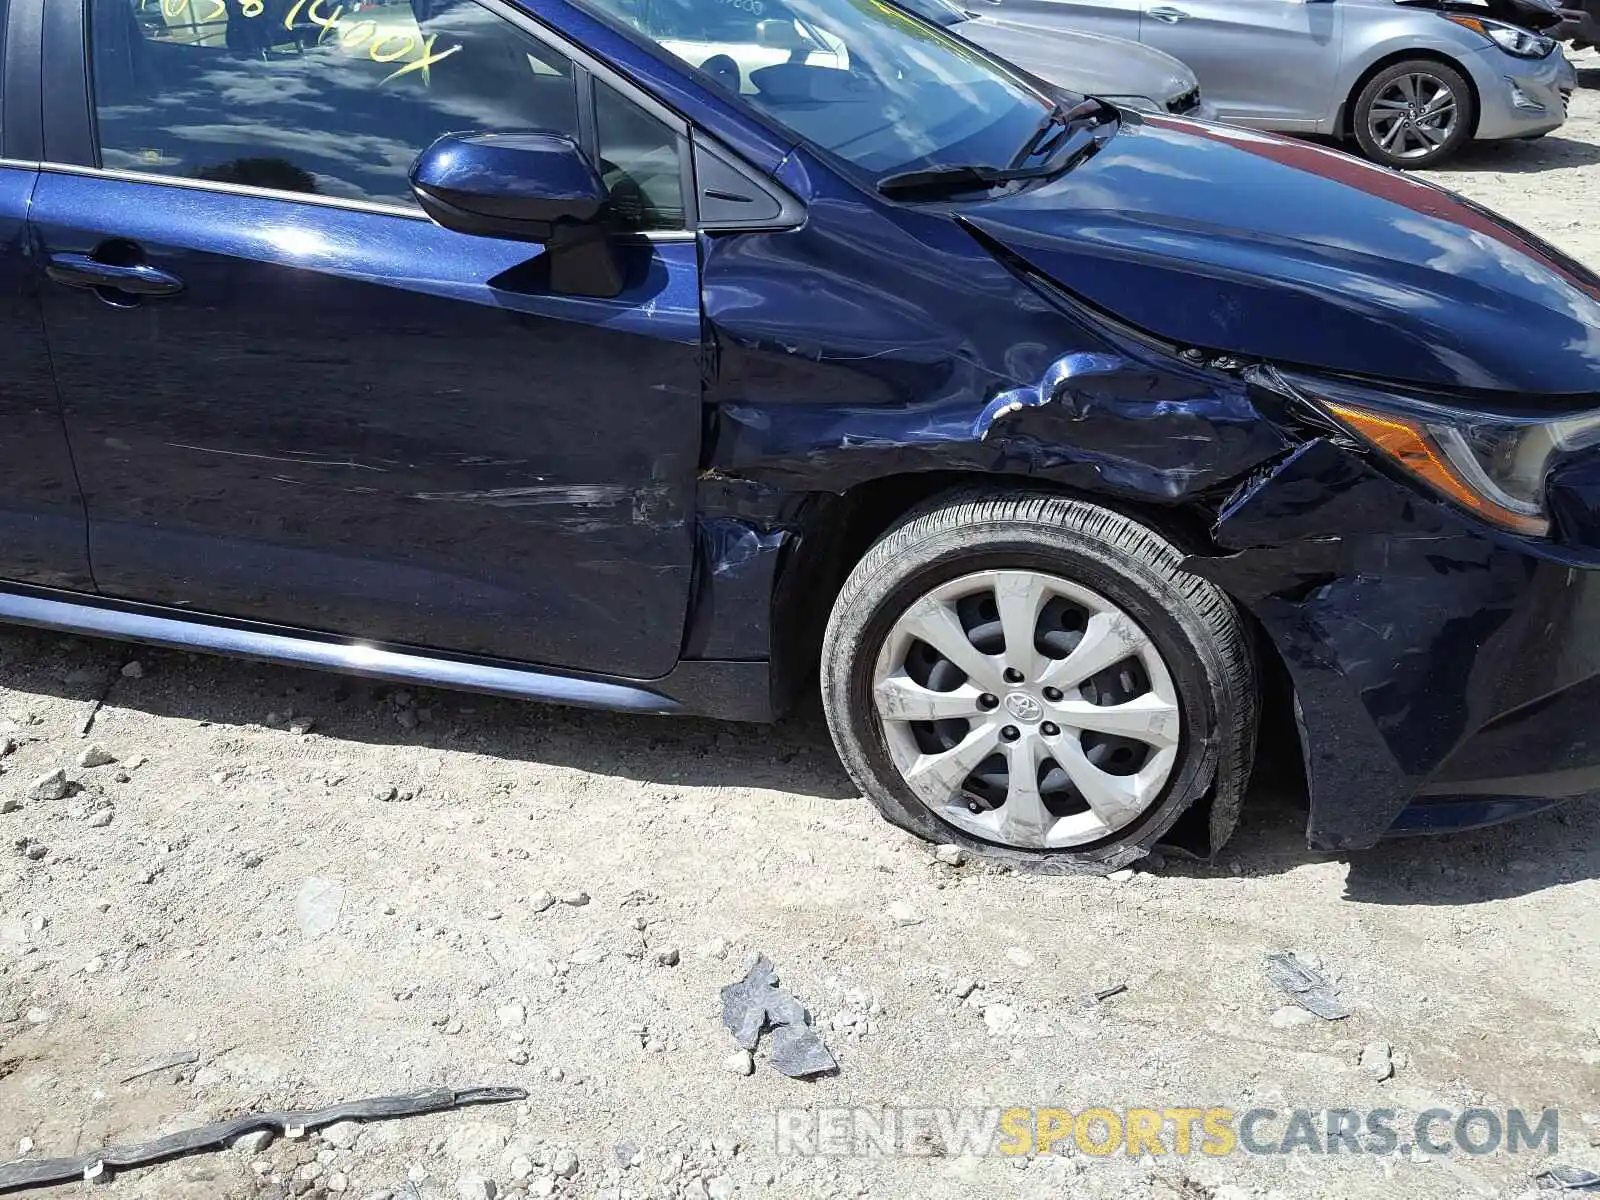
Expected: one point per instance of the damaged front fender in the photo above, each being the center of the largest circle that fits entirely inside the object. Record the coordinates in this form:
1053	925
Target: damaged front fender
1406	628
1097	421
879	341
862	362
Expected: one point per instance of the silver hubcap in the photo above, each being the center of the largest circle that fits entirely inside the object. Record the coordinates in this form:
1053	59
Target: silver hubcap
1027	710
1413	116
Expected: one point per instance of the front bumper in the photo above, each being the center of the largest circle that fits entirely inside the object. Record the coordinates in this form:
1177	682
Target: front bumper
1446	675
1519	97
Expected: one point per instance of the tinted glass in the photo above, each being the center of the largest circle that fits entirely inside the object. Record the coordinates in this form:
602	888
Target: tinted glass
859	78
312	95
639	162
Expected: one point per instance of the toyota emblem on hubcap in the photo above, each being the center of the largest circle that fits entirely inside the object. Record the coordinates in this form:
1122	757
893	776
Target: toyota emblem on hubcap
1024	707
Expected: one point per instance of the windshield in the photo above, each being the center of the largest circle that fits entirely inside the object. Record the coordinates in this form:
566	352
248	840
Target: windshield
859	78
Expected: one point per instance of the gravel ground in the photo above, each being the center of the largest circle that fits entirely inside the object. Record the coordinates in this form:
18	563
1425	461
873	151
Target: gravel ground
1550	185
323	889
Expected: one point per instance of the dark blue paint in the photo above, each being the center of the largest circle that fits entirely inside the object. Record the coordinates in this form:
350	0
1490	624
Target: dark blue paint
365	424
517	176
733	589
1573	494
1430	658
837	367
879	340
1235	241
42	527
1461	815
861	374
353	421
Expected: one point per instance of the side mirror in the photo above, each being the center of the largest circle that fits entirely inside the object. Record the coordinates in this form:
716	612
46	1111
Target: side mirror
531	187
777	34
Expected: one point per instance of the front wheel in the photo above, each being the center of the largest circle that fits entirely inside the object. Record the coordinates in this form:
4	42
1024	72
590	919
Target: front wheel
1034	677
1414	114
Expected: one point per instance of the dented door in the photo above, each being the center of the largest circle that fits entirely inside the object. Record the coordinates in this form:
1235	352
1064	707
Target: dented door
293	398
361	422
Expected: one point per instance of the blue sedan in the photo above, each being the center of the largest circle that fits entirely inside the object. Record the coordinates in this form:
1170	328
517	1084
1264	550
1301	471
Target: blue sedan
665	355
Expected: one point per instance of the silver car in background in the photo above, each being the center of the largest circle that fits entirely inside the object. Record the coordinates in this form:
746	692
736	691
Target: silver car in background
1411	82
1113	68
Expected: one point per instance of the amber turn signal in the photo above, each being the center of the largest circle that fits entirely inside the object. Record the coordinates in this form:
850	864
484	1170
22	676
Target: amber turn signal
1409	444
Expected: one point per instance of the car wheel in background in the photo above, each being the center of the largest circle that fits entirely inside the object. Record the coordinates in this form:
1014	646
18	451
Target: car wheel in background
1414	114
1033	677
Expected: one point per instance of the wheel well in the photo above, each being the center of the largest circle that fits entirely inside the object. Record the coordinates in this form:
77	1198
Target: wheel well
1347	120
880	503
851	523
845	527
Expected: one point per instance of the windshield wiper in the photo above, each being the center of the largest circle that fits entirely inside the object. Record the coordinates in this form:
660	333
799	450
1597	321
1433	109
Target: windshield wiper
973	177
1054	119
1059	117
967	177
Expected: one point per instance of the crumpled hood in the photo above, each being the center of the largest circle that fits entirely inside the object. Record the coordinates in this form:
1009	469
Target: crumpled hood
1245	243
1081	62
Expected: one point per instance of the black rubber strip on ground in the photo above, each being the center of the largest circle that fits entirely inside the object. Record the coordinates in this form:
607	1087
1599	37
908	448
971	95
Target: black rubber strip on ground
219	1135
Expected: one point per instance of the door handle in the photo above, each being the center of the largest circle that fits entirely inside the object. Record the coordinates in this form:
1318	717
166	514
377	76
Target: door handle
1170	15
85	271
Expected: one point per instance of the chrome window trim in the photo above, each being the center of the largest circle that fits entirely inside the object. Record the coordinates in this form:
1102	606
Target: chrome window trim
234	189
261	193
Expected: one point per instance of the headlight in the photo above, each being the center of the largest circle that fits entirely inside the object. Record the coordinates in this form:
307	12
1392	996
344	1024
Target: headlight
1493	466
1141	103
1510	38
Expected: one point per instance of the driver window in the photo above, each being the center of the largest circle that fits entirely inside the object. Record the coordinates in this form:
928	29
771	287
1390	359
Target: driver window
312	95
338	99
